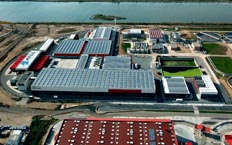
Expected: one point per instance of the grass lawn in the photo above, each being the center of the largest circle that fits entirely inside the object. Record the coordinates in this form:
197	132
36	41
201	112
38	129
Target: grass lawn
188	73
125	46
39	128
179	63
223	64
214	48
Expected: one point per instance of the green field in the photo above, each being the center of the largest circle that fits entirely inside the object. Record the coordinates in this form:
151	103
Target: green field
214	48
188	73
39	128
125	46
171	63
223	64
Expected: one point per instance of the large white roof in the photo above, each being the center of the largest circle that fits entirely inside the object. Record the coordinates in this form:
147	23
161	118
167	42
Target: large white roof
46	45
209	86
28	60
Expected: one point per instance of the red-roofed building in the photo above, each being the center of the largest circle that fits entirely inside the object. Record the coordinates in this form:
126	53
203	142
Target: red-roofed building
228	139
202	128
39	63
17	62
206	129
199	126
116	131
156	36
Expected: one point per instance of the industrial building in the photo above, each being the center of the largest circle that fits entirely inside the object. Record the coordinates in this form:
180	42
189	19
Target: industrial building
24	81
103	33
94	80
24	62
197	46
69	48
156	36
98	48
15	138
46	45
175	87
117	131
158	48
117	62
205	86
133	34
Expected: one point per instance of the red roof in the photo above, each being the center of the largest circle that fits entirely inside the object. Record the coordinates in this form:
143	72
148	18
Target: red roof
199	126
206	129
228	139
121	131
155	34
39	63
17	62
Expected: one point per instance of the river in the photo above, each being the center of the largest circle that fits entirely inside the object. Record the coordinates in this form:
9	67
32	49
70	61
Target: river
134	12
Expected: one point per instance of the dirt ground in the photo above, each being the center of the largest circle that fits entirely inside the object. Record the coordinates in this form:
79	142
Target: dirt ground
14	119
43	105
183	49
228	52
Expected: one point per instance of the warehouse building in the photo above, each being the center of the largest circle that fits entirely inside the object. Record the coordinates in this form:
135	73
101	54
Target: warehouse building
39	63
156	36
103	33
46	45
17	62
24	81
70	48
15	138
96	81
197	46
28	60
117	62
175	88
117	131
205	86
98	48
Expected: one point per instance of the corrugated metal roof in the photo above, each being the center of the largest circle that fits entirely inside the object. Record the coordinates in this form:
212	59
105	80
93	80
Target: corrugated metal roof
175	85
155	34
116	131
103	33
94	80
98	47
117	62
70	47
82	61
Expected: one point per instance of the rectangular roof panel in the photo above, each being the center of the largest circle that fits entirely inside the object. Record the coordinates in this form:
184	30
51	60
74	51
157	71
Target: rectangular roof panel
103	33
70	47
98	47
94	80
155	34
117	62
175	85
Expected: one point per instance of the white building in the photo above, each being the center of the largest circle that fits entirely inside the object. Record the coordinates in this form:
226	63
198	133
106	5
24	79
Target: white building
206	86
28	60
15	138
